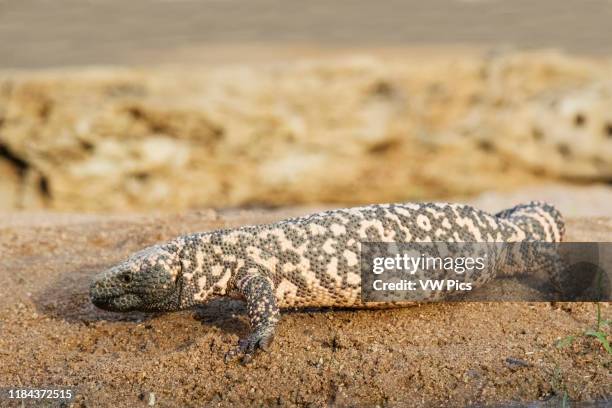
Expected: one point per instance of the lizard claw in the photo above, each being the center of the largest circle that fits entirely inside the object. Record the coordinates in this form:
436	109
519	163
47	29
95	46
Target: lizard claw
249	346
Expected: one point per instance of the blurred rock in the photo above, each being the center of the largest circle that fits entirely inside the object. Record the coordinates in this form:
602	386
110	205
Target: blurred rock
351	130
9	186
565	132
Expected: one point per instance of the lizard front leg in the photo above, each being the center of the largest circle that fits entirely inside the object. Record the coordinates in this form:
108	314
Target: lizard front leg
263	313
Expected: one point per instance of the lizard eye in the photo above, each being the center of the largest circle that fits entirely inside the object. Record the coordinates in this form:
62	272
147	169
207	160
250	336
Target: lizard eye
126	278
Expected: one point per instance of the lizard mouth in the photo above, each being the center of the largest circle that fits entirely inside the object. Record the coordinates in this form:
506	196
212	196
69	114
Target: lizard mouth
118	303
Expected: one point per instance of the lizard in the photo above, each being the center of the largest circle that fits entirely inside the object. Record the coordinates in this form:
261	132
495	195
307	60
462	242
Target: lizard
308	261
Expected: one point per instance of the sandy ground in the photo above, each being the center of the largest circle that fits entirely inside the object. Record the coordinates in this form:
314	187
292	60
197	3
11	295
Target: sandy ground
435	355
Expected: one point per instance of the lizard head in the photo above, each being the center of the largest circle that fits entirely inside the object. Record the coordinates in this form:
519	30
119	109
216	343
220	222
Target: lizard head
149	280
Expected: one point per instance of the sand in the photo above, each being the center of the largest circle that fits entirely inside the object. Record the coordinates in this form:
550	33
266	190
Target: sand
434	355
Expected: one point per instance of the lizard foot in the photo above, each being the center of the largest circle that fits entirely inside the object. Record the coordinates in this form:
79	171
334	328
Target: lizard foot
249	346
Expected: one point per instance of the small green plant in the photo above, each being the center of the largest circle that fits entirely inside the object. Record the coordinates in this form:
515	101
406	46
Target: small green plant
598	333
565	403
559	387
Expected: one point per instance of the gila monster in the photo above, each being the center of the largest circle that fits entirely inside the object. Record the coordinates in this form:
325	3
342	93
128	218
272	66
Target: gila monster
310	261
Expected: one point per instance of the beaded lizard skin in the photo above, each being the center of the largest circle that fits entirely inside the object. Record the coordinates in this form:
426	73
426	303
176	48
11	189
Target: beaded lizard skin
310	261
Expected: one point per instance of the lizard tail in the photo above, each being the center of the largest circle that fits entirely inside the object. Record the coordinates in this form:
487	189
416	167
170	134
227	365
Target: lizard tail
538	218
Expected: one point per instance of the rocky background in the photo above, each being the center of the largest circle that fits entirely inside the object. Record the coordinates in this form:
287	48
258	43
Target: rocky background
353	129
